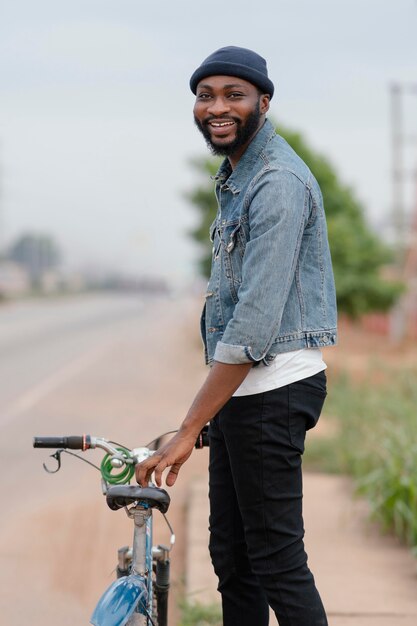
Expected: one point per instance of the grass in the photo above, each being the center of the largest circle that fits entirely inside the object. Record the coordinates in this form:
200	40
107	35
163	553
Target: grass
375	441
200	615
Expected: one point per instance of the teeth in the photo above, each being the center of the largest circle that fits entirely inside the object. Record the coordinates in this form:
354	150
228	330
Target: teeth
221	123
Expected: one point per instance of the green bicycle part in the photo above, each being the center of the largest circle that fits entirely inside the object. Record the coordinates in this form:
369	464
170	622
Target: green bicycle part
117	476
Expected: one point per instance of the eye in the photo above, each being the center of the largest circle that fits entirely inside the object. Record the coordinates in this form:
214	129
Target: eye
203	96
235	95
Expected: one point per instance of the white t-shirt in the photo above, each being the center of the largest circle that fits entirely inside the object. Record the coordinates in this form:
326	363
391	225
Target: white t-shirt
286	368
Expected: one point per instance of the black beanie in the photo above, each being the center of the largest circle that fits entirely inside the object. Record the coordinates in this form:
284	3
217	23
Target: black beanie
235	61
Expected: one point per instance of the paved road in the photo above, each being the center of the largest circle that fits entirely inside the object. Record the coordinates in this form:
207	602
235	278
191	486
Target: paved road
120	367
44	343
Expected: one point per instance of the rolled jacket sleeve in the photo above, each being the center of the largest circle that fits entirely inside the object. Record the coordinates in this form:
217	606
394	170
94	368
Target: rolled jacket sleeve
278	213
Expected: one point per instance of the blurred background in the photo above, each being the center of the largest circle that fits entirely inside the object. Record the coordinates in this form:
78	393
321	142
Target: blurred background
105	202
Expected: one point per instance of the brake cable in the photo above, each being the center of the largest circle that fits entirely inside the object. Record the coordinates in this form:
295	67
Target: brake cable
57	456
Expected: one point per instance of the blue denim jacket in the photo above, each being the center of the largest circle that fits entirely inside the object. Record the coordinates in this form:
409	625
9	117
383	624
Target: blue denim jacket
271	288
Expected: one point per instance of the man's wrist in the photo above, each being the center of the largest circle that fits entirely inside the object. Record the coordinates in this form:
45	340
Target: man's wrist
191	427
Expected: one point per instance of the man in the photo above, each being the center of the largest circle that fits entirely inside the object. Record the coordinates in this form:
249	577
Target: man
270	306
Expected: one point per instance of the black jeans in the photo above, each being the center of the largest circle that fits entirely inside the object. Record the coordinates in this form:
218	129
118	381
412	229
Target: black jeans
256	524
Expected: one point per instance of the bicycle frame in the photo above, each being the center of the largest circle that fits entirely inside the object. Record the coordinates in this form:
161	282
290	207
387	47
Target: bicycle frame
140	567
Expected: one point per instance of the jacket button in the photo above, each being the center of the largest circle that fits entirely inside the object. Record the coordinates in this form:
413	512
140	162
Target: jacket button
211	330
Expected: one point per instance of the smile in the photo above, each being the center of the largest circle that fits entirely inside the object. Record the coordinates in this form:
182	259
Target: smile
220	124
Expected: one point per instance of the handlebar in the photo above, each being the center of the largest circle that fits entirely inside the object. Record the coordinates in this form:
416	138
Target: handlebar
85	442
76	442
80	442
118	464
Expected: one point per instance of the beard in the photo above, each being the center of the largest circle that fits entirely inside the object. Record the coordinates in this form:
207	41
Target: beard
243	132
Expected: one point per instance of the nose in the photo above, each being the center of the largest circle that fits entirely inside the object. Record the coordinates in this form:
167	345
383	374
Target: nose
218	106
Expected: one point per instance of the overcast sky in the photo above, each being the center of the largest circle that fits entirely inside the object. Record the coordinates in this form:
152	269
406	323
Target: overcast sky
96	124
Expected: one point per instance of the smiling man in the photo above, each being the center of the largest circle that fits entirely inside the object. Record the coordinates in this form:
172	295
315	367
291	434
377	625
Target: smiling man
270	306
228	131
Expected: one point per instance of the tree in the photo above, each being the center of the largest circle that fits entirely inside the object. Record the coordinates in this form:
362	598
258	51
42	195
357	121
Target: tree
36	253
358	254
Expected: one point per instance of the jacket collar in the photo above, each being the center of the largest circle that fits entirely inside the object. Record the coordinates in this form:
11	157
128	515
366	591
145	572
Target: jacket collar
234	179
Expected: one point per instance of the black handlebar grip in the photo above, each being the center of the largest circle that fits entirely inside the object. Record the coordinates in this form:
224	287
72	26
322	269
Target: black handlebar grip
76	442
203	439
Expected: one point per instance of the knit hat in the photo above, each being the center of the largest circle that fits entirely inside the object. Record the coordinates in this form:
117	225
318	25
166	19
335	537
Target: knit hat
235	61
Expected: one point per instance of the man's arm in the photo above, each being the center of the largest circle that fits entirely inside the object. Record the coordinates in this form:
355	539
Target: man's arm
219	386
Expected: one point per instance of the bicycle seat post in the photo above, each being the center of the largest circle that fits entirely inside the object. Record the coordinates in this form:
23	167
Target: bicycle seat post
141	536
141	549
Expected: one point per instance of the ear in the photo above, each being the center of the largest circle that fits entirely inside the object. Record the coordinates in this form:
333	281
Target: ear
264	103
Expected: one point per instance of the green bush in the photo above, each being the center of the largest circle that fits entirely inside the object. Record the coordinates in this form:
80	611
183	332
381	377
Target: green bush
376	443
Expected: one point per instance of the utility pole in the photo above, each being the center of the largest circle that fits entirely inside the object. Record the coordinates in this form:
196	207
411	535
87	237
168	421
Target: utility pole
400	136
404	225
2	212
397	166
1	218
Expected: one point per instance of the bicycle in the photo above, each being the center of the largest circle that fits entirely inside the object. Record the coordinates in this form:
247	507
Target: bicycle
139	595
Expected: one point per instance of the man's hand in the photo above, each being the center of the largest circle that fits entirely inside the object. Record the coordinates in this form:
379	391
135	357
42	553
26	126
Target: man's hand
173	455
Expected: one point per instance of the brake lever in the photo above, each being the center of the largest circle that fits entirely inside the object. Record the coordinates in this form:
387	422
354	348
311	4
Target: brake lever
57	456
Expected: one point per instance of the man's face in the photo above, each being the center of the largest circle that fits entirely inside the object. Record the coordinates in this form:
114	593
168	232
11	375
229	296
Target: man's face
229	111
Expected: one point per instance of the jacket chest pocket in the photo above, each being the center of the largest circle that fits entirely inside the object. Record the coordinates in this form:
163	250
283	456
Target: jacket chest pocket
233	243
215	239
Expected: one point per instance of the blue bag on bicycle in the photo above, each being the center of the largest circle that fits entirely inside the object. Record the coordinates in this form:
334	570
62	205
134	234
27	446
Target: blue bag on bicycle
120	600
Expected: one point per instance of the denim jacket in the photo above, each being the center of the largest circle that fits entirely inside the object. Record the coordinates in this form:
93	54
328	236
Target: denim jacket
271	288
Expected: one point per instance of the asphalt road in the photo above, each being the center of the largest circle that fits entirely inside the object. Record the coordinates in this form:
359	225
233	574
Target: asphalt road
44	343
122	367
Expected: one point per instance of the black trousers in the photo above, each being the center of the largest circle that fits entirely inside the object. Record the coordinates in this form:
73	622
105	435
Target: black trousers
256	524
